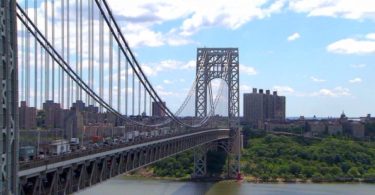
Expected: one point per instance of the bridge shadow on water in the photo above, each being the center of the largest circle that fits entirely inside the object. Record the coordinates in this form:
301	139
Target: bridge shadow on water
208	188
196	188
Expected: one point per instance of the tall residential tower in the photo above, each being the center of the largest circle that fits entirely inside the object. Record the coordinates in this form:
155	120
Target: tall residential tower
260	107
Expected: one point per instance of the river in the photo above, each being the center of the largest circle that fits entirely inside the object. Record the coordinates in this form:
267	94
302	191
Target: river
133	186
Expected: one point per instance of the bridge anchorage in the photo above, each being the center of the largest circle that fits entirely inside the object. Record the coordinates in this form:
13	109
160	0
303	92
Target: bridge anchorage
218	63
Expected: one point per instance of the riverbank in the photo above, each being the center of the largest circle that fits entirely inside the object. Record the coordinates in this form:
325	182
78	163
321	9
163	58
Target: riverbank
147	173
166	187
276	159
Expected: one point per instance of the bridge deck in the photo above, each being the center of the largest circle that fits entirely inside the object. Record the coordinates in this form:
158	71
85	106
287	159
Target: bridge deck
38	166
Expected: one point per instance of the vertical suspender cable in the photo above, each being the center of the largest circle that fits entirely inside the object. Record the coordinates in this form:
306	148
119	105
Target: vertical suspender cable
101	61
118	79
101	57
133	92
53	45
59	83
61	72
80	47
27	52
35	60
110	67
77	48
150	105
144	100
68	54
89	49
22	71
126	86
42	67
92	50
139	97
46	73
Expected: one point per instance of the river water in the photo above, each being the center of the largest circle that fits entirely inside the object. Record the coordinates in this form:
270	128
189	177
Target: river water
131	186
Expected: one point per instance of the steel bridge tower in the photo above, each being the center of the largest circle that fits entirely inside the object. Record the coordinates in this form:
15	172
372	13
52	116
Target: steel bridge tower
9	98
222	63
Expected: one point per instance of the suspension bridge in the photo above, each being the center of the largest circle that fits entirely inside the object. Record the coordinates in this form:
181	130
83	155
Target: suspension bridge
66	67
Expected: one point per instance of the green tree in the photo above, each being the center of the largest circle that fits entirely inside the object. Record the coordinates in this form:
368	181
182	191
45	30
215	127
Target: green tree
353	172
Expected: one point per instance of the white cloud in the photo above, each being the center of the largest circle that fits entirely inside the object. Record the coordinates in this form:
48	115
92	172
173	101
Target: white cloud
294	36
358	65
352	46
152	69
166	81
317	80
164	93
190	65
348	9
228	15
371	36
247	70
336	92
283	89
245	88
355	80
149	71
209	13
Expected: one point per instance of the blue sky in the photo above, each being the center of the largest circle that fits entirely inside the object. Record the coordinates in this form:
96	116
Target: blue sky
320	54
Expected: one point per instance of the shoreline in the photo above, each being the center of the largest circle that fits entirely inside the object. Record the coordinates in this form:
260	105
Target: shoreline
253	180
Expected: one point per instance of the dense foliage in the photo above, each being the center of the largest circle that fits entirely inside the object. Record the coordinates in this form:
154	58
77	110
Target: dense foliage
269	157
182	165
178	166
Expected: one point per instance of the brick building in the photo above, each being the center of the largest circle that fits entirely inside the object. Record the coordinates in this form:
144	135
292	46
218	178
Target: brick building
27	116
260	107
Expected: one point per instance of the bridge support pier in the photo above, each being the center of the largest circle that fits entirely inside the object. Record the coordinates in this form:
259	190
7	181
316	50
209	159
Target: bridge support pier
235	153
200	162
231	146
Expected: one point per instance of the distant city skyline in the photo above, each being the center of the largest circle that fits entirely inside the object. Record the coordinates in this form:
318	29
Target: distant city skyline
319	54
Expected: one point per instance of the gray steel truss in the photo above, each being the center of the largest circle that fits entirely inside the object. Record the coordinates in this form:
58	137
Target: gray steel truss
9	98
200	160
222	63
71	173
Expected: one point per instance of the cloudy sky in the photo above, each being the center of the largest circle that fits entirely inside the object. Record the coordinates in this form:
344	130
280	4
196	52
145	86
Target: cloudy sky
318	53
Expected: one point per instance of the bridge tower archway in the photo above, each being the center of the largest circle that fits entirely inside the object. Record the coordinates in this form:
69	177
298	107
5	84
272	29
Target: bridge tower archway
219	63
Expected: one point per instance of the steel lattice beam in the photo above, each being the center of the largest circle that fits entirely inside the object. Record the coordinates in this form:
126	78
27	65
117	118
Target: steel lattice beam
222	63
9	98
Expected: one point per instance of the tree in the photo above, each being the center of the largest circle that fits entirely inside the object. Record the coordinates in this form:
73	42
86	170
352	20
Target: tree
308	171
295	168
353	172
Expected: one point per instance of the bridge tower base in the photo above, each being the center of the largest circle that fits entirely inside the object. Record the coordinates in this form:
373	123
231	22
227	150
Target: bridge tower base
231	146
235	145
200	162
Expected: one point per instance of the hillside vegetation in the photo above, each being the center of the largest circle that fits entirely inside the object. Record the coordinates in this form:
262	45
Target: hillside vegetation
271	157
275	158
